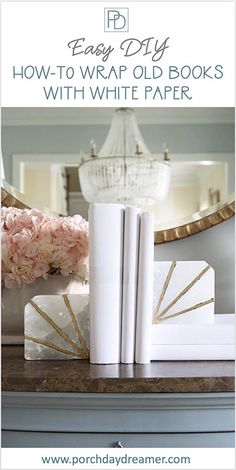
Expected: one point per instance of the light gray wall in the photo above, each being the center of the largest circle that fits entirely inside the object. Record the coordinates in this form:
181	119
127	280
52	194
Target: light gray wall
180	138
216	246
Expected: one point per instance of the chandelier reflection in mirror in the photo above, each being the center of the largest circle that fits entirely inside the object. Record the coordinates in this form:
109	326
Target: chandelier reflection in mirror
124	170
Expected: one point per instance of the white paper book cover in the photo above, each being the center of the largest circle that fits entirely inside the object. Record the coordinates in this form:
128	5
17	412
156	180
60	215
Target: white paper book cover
201	352
221	332
145	290
105	279
130	273
184	292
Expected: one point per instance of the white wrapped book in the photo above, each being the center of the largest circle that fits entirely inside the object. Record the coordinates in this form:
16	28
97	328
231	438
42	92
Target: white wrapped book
145	290
215	341
130	273
105	280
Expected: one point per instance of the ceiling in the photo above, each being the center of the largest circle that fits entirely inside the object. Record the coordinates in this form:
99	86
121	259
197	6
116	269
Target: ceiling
91	116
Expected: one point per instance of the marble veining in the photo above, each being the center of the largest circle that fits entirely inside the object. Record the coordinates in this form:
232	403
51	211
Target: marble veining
81	376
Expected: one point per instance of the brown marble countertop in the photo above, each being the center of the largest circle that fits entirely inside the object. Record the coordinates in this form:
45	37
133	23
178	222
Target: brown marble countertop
80	376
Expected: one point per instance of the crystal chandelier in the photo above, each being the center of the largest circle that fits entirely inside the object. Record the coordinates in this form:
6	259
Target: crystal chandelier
124	170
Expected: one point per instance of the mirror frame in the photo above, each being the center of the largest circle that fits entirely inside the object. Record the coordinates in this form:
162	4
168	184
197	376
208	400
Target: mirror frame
205	219
8	200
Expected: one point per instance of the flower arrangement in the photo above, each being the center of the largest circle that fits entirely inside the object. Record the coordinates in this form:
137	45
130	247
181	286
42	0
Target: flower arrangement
35	245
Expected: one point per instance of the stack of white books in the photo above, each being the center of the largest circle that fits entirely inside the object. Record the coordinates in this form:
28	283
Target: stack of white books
121	260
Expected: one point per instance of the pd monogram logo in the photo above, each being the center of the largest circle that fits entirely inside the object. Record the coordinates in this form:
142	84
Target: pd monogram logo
116	20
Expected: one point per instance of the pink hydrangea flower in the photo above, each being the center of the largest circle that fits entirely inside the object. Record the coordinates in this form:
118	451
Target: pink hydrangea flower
35	245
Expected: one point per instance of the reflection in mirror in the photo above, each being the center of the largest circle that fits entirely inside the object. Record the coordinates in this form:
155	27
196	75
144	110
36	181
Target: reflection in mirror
195	186
43	148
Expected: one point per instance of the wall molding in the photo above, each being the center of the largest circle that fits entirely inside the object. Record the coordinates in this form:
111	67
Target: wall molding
103	116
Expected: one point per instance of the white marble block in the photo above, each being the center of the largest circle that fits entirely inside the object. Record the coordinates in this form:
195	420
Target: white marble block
57	327
184	292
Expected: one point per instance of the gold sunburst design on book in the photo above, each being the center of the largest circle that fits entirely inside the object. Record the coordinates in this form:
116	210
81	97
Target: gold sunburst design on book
160	315
70	343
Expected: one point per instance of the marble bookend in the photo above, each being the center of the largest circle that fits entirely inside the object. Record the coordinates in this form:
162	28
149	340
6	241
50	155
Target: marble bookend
57	327
184	292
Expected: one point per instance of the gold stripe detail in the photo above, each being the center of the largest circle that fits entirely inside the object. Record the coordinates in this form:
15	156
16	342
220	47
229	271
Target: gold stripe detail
189	309
165	287
52	346
75	323
55	326
184	291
